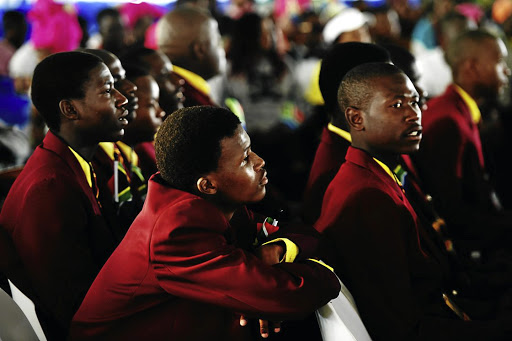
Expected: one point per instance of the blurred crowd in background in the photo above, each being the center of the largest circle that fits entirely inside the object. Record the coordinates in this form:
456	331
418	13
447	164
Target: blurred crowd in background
273	51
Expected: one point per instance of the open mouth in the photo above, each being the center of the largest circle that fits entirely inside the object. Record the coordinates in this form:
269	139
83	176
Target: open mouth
414	133
123	119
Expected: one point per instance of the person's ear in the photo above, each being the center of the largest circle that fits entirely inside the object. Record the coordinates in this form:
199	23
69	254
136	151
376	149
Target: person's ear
68	109
471	67
354	117
199	49
205	186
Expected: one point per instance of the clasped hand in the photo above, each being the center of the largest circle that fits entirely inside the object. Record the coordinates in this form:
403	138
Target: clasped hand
270	254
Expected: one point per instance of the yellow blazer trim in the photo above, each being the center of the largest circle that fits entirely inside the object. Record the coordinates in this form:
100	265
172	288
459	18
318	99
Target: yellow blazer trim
131	156
476	115
194	79
342	133
292	250
313	94
390	173
86	166
108	147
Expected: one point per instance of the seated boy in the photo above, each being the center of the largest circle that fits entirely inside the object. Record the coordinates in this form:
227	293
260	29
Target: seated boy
52	211
379	250
140	133
122	185
186	266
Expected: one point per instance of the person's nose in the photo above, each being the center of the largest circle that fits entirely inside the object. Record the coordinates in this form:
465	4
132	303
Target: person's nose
129	87
507	71
159	112
120	100
259	163
414	112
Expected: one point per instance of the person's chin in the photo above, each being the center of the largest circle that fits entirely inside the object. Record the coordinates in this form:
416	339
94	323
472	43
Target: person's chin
116	136
261	194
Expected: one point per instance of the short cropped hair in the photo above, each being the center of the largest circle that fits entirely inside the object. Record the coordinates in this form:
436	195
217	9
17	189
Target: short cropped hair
339	59
135	71
135	55
57	77
188	144
356	88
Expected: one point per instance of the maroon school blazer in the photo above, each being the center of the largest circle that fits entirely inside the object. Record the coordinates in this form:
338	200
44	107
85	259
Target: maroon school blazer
54	220
450	163
179	274
396	284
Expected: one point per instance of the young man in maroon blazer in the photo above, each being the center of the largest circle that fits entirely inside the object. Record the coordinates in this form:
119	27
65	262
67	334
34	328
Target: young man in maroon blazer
335	138
51	212
380	253
451	159
187	267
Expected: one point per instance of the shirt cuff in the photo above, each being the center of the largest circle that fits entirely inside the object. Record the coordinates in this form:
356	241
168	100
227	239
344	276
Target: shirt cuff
291	252
321	263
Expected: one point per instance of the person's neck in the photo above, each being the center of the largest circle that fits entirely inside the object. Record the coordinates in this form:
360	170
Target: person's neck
389	159
226	209
470	89
130	140
339	123
85	149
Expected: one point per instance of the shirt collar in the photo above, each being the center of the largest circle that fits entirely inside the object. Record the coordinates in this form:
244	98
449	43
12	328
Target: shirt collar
340	132
389	172
128	152
476	116
193	79
86	166
108	148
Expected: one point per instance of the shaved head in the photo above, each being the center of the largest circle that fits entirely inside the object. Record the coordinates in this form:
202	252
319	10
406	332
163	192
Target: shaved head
356	88
190	38
468	45
181	27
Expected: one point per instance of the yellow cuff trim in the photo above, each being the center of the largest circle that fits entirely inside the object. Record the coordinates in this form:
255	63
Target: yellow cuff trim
321	263
292	250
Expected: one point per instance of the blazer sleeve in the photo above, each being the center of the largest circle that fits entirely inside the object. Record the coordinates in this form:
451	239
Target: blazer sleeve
195	261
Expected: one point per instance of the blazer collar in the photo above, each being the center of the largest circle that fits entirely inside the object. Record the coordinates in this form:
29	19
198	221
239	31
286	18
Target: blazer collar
365	160
58	146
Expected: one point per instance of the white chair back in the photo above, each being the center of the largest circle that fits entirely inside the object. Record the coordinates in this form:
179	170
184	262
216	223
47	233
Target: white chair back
339	319
28	308
14	325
